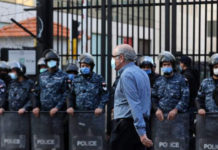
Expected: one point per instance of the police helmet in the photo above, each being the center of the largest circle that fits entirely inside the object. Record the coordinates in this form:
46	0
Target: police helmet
23	68
214	59
167	57
146	60
72	68
186	60
51	55
87	59
4	66
18	67
41	62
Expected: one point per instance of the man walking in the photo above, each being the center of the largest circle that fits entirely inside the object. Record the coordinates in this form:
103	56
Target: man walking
132	102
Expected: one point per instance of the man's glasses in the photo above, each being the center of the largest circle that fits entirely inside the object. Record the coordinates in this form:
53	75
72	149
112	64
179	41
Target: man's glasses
115	56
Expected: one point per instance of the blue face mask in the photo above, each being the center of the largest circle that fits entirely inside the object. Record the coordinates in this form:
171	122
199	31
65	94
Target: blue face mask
13	76
113	63
180	68
167	70
148	71
52	63
43	70
85	70
71	76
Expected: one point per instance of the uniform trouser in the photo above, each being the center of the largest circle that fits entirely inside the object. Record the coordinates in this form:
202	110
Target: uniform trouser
124	136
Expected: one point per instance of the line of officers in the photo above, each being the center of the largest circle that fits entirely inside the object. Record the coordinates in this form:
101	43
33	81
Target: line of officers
82	89
54	90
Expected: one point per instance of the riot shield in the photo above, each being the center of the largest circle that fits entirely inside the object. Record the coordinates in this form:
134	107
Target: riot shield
207	132
48	133
87	132
171	134
14	131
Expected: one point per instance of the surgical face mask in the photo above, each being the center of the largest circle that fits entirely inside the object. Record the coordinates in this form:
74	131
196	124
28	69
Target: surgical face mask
167	70
43	70
113	63
215	71
85	70
13	75
71	76
180	68
148	71
52	63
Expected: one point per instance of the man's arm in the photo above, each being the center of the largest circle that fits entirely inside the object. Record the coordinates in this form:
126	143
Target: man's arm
154	97
104	94
2	94
184	101
200	98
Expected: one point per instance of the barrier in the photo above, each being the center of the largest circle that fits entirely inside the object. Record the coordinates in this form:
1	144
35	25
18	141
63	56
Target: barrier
87	132
48	133
171	134
207	132
14	131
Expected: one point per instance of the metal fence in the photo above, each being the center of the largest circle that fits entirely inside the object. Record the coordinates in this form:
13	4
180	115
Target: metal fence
186	27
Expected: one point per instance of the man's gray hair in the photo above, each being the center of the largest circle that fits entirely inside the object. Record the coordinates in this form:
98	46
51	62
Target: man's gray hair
127	51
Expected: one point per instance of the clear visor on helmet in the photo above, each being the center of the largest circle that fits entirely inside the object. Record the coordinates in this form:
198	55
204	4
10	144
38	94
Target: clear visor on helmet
166	57
3	65
86	58
13	65
41	61
146	60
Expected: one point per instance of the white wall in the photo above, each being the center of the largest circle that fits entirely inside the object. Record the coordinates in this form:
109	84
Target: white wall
9	10
16	42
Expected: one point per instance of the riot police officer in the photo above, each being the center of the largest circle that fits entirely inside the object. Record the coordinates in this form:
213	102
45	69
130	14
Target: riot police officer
88	89
147	64
207	97
3	96
52	87
19	89
72	71
4	69
170	93
42	65
191	77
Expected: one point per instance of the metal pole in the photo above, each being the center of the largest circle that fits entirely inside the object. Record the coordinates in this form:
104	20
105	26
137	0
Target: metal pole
109	45
103	38
174	27
167	25
44	26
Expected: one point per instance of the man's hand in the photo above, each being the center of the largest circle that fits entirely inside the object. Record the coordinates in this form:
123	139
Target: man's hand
2	111
98	111
146	141
202	112
36	111
21	111
172	114
159	115
70	111
53	111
